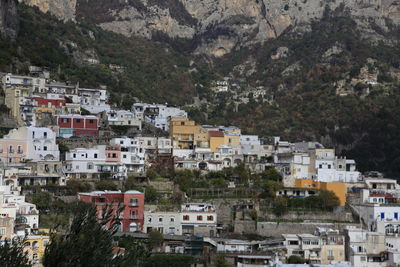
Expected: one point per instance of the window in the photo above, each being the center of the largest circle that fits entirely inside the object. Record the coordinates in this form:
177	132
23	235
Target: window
172	219
114	155
210	218
78	120
10	149
74	155
124	156
33	134
160	219
329	166
95	155
149	219
19	149
45	134
91	121
186	217
2	232
199	218
306	242
320	166
121	142
149	142
45	148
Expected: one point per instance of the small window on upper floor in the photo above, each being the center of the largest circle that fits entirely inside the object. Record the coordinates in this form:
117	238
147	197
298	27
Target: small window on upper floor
45	134
95	155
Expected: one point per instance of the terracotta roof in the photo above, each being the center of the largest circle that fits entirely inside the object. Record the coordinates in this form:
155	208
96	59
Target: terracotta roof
216	133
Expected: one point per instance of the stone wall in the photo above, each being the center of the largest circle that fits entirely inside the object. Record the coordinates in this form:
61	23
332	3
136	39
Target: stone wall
275	229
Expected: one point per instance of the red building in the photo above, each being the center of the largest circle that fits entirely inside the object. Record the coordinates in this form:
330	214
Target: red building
49	103
132	217
78	125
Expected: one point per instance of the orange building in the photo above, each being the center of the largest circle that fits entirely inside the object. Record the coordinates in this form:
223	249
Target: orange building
336	187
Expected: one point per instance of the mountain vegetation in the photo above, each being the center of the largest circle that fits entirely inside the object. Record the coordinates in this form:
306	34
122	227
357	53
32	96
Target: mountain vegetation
330	82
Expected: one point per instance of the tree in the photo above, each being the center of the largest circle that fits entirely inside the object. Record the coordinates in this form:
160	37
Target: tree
279	206
87	241
296	260
76	186
165	260
328	200
155	239
270	188
105	185
42	200
137	253
13	255
130	183
272	174
151	194
221	262
151	174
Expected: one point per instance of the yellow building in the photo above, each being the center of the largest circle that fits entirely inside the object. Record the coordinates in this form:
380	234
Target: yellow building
232	139
336	187
12	101
35	246
217	139
183	132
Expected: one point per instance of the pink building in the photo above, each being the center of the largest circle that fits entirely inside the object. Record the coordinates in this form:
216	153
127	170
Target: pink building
113	153
132	217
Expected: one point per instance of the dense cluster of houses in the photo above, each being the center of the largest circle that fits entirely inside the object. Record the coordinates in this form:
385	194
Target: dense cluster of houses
49	113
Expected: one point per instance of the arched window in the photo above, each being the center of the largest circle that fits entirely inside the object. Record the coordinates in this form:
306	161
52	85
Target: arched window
133	227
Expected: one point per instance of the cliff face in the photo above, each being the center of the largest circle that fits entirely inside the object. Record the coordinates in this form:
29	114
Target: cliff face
219	26
9	21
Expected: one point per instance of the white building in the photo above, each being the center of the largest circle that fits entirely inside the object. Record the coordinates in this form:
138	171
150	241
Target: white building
124	118
199	219
84	162
163	221
29	143
25	214
94	100
364	248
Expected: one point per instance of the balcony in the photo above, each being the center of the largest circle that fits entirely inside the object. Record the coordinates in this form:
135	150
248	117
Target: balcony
331	258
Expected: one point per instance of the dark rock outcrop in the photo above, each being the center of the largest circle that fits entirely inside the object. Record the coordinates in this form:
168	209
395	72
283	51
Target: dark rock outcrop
9	20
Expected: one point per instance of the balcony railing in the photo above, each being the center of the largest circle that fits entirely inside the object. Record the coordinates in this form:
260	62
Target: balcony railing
331	258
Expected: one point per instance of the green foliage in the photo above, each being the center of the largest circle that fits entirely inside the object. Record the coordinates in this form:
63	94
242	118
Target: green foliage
152	174
270	188
87	242
13	255
221	262
325	200
136	252
105	185
151	195
130	184
155	239
75	186
42	200
280	207
296	260
164	260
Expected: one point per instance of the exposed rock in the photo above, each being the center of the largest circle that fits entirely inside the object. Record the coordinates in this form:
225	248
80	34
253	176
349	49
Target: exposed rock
9	20
281	52
62	9
220	26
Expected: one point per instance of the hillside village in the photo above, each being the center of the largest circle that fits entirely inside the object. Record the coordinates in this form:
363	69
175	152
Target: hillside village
212	191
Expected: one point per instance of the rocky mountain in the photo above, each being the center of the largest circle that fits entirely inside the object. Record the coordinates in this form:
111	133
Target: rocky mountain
9	21
217	27
326	71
